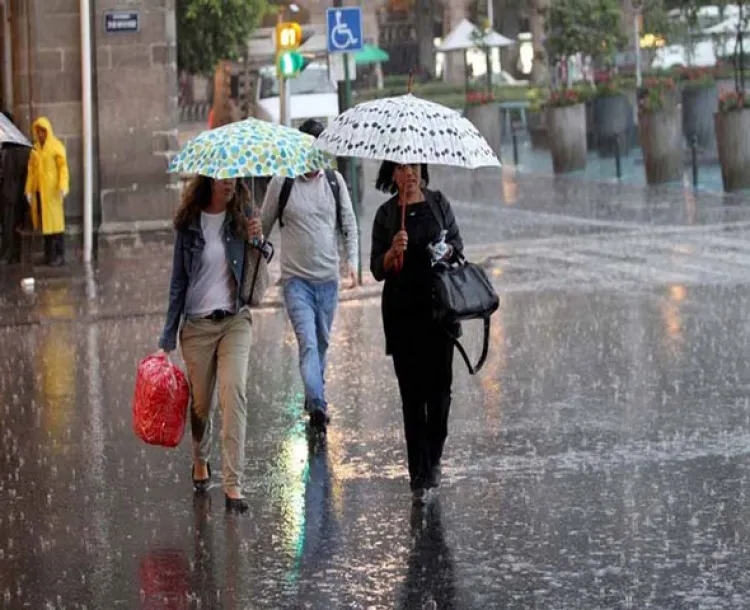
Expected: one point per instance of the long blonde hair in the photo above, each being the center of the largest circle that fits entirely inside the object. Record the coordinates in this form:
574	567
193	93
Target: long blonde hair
197	197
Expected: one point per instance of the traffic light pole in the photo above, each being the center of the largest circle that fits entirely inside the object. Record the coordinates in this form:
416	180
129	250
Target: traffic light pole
351	167
347	166
285	101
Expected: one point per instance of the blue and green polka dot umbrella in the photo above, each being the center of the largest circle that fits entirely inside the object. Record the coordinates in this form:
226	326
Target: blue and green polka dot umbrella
251	148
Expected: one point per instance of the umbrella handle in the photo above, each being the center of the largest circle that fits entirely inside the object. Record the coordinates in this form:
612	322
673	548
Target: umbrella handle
411	81
399	262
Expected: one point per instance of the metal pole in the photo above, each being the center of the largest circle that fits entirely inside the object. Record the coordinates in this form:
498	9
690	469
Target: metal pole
8	58
515	143
694	158
88	141
352	168
490	66
618	164
638	66
285	100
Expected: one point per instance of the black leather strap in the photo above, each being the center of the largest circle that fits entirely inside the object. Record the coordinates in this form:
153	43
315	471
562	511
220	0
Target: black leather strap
473	370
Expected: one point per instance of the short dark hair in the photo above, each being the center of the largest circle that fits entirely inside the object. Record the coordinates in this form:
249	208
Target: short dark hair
312	127
385	182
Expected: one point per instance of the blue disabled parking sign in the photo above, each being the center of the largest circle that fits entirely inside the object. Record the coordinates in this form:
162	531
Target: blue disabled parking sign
344	29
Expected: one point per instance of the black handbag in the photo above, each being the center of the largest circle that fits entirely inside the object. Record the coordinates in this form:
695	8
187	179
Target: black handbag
462	291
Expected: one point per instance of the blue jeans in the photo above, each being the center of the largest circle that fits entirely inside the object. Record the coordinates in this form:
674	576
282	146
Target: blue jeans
311	307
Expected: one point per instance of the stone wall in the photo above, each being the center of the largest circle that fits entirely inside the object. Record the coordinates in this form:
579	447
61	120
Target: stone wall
136	89
135	103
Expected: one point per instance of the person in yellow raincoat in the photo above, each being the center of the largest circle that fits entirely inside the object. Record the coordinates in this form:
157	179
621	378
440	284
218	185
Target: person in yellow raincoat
46	188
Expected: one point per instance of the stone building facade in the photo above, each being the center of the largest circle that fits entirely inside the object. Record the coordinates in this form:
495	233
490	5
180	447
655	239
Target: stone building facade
134	102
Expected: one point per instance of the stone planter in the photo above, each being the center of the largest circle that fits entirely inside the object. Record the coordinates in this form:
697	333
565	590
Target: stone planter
566	133
699	104
487	119
733	144
660	135
613	117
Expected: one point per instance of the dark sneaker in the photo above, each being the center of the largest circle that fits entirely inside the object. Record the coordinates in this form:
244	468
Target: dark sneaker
236	505
319	420
435	477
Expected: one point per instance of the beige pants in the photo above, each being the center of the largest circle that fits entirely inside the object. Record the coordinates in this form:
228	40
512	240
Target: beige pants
219	351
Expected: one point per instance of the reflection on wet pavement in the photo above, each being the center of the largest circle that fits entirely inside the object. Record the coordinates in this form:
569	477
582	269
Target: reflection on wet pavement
599	460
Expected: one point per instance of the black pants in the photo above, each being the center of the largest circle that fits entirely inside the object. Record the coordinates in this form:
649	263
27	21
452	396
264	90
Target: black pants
54	248
10	243
424	367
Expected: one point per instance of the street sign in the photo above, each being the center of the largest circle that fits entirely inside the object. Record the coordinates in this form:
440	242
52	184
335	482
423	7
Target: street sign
336	67
119	21
344	32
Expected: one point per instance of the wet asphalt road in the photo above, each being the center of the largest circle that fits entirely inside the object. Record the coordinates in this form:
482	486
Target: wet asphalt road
599	461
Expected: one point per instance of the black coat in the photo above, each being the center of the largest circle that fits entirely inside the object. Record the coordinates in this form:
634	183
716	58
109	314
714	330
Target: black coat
15	169
401	318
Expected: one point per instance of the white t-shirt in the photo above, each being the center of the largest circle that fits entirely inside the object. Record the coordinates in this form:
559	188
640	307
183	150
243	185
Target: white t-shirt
212	288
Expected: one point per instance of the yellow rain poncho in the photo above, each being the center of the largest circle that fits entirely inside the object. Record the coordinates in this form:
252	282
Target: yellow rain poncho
49	178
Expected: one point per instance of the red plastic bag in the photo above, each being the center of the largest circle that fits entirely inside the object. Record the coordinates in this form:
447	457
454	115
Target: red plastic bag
160	402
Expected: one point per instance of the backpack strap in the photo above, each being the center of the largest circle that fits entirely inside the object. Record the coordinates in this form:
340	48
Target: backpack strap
333	182
286	190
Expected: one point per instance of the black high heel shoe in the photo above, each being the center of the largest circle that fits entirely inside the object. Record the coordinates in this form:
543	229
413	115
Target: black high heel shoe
201	486
236	505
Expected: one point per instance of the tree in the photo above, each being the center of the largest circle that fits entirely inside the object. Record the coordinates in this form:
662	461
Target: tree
657	25
537	24
209	31
591	27
424	24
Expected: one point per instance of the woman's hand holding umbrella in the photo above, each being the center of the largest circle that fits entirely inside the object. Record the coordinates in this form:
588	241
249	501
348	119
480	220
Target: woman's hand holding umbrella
398	247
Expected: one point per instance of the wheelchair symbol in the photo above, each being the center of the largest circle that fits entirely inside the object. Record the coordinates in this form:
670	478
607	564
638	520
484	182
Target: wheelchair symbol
341	35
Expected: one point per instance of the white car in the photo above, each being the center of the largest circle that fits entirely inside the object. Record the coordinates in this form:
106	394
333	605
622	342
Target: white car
313	95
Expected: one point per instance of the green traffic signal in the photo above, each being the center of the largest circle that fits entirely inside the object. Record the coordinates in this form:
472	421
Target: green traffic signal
290	63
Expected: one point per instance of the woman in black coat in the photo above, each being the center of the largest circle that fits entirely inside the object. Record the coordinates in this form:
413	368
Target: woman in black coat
413	230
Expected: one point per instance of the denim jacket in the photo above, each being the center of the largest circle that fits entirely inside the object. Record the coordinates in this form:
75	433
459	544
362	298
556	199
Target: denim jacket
188	251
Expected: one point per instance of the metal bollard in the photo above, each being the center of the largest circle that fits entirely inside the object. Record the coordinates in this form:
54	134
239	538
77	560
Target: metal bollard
694	158
618	162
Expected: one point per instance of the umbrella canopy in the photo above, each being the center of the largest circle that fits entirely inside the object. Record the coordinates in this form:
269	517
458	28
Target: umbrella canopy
10	134
370	54
464	37
250	148
407	129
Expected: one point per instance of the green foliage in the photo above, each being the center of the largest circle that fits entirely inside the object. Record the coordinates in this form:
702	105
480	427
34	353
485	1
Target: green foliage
656	20
591	27
209	31
659	95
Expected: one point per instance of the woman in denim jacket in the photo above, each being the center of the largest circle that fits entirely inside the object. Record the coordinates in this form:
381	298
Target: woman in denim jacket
204	294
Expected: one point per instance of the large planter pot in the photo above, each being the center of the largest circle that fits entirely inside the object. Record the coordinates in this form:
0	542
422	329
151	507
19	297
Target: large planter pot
487	119
698	107
733	144
613	117
660	135
566	133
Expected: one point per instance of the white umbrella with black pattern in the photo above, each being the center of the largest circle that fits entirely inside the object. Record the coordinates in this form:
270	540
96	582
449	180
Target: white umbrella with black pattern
10	134
406	130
